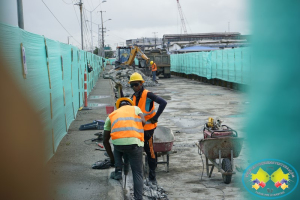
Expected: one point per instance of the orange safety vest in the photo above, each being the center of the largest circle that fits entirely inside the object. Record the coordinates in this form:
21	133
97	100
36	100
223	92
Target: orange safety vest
126	124
154	68
147	115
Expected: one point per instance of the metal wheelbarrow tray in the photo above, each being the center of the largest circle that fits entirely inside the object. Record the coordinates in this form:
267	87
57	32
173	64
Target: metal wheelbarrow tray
224	145
163	139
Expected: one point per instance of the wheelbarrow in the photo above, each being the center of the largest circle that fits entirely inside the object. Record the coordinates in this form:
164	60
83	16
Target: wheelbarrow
163	139
222	144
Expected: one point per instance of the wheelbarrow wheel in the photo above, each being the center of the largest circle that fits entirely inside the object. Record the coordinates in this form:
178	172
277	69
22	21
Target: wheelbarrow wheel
226	166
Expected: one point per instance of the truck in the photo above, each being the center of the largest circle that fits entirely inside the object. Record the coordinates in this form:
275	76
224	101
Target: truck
162	60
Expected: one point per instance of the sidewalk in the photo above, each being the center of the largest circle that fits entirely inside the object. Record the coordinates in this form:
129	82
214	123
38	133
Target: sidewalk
70	167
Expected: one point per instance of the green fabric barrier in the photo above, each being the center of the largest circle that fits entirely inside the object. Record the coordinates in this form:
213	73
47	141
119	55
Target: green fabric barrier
225	65
238	65
232	65
112	60
214	64
65	91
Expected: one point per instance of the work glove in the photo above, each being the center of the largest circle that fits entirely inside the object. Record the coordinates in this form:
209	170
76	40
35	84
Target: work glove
153	121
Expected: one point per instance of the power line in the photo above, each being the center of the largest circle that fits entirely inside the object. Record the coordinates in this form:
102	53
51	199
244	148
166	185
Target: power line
68	3
75	13
92	4
59	22
117	36
86	26
85	31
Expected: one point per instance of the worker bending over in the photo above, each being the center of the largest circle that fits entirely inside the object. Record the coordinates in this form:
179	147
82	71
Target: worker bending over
153	69
145	99
125	127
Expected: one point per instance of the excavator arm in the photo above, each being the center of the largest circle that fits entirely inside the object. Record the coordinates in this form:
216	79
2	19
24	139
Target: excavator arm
133	53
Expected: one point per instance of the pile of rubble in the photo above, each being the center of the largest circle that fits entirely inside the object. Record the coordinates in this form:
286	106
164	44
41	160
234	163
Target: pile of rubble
151	191
122	76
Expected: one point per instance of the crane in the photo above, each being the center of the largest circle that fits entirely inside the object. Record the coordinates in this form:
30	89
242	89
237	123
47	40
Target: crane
181	17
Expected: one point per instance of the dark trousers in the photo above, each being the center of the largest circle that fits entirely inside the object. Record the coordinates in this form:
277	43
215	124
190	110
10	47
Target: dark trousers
154	75
148	148
134	155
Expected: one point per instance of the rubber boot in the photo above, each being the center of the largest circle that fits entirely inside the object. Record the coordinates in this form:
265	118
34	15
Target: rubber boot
117	174
152	176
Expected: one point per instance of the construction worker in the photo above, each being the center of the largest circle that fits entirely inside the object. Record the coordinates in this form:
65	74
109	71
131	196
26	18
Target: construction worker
145	99
125	127
153	69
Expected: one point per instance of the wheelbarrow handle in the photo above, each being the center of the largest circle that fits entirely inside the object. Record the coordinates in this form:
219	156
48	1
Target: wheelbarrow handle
236	134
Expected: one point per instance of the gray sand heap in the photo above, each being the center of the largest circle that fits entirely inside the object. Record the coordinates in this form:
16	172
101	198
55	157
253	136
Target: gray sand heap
122	76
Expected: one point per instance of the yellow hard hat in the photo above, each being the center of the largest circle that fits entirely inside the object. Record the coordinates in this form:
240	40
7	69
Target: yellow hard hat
136	77
151	63
123	99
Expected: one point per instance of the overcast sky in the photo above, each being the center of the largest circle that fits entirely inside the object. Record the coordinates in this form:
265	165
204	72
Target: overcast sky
133	18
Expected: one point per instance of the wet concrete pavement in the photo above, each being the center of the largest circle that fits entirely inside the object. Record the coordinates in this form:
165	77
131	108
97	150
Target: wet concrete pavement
190	103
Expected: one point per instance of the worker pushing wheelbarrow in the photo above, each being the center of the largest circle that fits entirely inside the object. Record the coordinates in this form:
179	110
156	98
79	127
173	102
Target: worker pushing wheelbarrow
220	142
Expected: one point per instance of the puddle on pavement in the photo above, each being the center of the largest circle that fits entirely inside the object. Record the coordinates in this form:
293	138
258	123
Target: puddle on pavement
99	97
170	110
97	104
194	114
192	130
187	123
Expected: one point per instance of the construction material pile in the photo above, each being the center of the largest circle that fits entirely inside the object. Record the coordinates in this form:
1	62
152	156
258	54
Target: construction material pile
152	191
122	76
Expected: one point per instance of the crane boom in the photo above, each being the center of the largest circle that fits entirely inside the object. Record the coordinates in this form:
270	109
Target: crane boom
181	17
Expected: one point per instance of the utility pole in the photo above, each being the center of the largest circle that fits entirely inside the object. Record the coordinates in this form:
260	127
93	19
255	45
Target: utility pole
91	33
103	52
69	39
143	43
20	14
80	6
99	40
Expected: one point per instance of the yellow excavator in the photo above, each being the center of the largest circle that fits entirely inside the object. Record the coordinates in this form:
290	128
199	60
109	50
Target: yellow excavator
125	56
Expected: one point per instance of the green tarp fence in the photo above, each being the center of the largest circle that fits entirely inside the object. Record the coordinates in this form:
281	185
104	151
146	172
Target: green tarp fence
232	65
54	82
